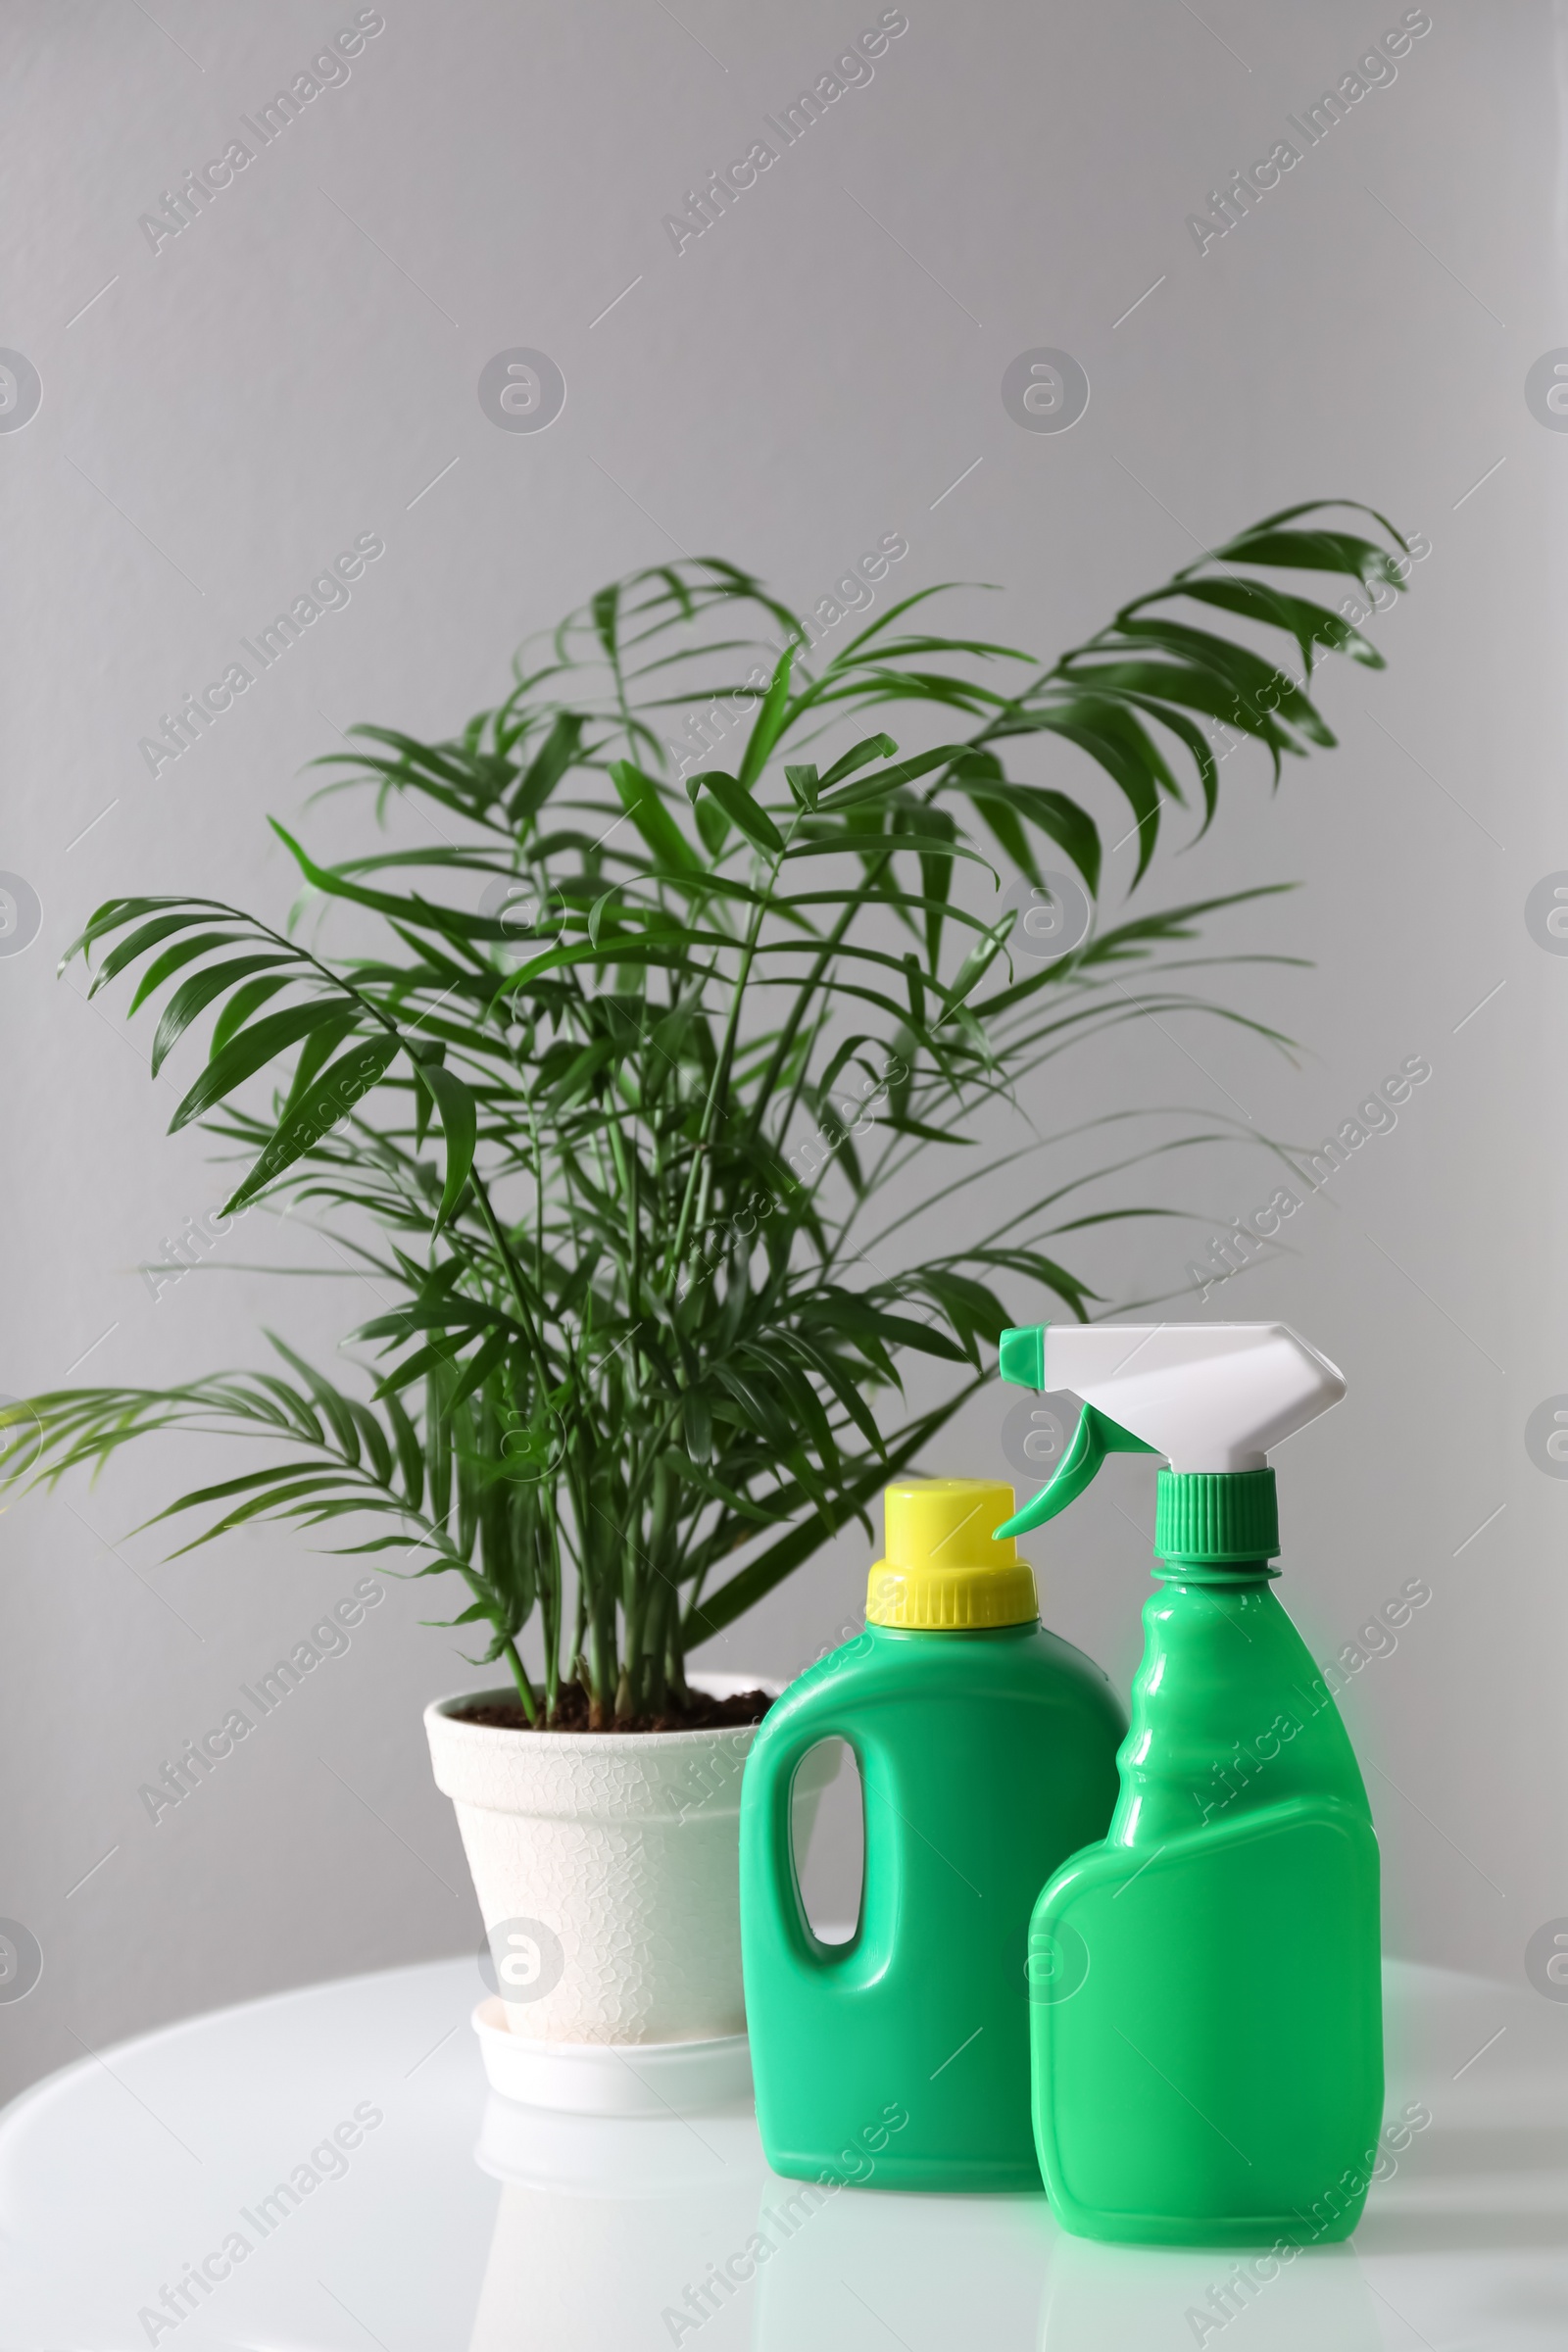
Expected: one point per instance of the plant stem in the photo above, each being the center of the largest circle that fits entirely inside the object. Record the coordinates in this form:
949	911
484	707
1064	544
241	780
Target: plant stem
805	990
550	1588
513	1272
661	1615
606	1681
520	1674
702	1158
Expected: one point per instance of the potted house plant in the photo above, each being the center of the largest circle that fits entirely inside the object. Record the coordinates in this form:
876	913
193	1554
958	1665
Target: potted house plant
701	960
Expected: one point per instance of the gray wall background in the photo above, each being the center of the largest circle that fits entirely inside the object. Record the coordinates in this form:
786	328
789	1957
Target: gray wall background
821	367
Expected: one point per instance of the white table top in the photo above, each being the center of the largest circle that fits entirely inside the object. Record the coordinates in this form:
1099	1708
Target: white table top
458	2221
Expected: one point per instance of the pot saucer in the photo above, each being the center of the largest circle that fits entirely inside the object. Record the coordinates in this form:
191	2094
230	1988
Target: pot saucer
646	2078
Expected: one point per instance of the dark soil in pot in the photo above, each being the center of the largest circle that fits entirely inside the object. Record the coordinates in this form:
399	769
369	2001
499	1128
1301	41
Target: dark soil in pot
702	1713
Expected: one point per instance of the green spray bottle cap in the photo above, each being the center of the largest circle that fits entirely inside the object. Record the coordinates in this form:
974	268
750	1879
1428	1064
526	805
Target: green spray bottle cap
1213	1398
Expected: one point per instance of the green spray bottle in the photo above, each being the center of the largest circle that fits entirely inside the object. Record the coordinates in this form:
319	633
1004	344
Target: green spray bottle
987	1753
1206	2038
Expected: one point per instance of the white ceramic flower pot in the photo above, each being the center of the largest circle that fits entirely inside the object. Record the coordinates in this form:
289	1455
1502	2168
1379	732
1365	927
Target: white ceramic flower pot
607	1868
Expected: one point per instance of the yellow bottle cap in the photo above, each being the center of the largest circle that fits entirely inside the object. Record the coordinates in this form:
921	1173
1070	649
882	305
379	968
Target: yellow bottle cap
944	1570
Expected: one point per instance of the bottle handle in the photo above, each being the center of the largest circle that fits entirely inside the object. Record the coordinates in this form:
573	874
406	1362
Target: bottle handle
771	1906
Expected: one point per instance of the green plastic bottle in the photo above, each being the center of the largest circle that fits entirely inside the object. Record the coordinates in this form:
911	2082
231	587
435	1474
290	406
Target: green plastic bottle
987	1753
1207	2019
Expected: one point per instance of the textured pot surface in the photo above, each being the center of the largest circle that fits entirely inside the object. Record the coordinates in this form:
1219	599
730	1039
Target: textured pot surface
605	1864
